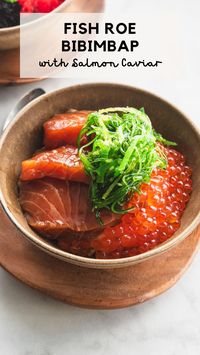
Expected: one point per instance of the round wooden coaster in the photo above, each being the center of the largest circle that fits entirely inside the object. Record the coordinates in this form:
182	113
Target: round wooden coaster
101	289
10	59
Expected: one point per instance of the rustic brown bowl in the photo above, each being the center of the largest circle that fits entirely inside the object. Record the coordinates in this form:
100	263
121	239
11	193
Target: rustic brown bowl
10	47
10	36
24	135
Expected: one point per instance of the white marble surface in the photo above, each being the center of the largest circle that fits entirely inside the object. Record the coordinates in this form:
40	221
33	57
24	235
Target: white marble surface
33	324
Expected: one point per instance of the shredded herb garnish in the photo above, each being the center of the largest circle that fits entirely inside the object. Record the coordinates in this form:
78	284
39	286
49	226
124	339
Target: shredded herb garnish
120	155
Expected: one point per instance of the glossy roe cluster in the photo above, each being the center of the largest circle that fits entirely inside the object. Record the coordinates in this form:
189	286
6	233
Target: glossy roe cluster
155	218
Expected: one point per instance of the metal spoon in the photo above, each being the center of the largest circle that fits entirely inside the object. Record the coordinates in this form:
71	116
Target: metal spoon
21	103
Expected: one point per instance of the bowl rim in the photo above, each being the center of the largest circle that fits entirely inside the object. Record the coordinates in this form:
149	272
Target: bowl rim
84	261
8	30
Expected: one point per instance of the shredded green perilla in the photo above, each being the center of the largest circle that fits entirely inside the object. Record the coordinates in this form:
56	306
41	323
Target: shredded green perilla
120	155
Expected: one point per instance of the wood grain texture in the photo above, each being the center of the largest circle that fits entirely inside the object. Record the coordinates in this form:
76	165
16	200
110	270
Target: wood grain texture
10	59
100	289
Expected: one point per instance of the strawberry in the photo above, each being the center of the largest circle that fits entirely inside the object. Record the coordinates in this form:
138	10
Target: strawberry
44	6
22	2
27	6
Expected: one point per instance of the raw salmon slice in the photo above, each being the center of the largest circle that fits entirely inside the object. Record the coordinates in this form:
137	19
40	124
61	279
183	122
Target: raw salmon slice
56	207
64	128
62	163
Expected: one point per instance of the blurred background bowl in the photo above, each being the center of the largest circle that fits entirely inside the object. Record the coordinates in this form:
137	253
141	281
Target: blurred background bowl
10	36
10	39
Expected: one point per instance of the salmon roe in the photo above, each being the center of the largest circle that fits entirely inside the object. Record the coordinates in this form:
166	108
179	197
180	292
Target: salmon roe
155	218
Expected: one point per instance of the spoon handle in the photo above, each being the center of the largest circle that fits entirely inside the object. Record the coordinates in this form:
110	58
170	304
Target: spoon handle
30	96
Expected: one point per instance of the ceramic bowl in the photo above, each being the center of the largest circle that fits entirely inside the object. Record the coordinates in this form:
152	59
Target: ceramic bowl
24	135
10	37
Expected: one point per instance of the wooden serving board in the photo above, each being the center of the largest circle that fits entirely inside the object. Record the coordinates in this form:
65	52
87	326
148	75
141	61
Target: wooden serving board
100	289
10	59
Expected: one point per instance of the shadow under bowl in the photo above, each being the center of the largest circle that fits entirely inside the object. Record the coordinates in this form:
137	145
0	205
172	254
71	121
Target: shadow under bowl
24	135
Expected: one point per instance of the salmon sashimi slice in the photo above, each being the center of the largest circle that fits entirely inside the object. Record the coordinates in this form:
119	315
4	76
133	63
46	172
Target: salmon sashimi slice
64	128
56	207
61	163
